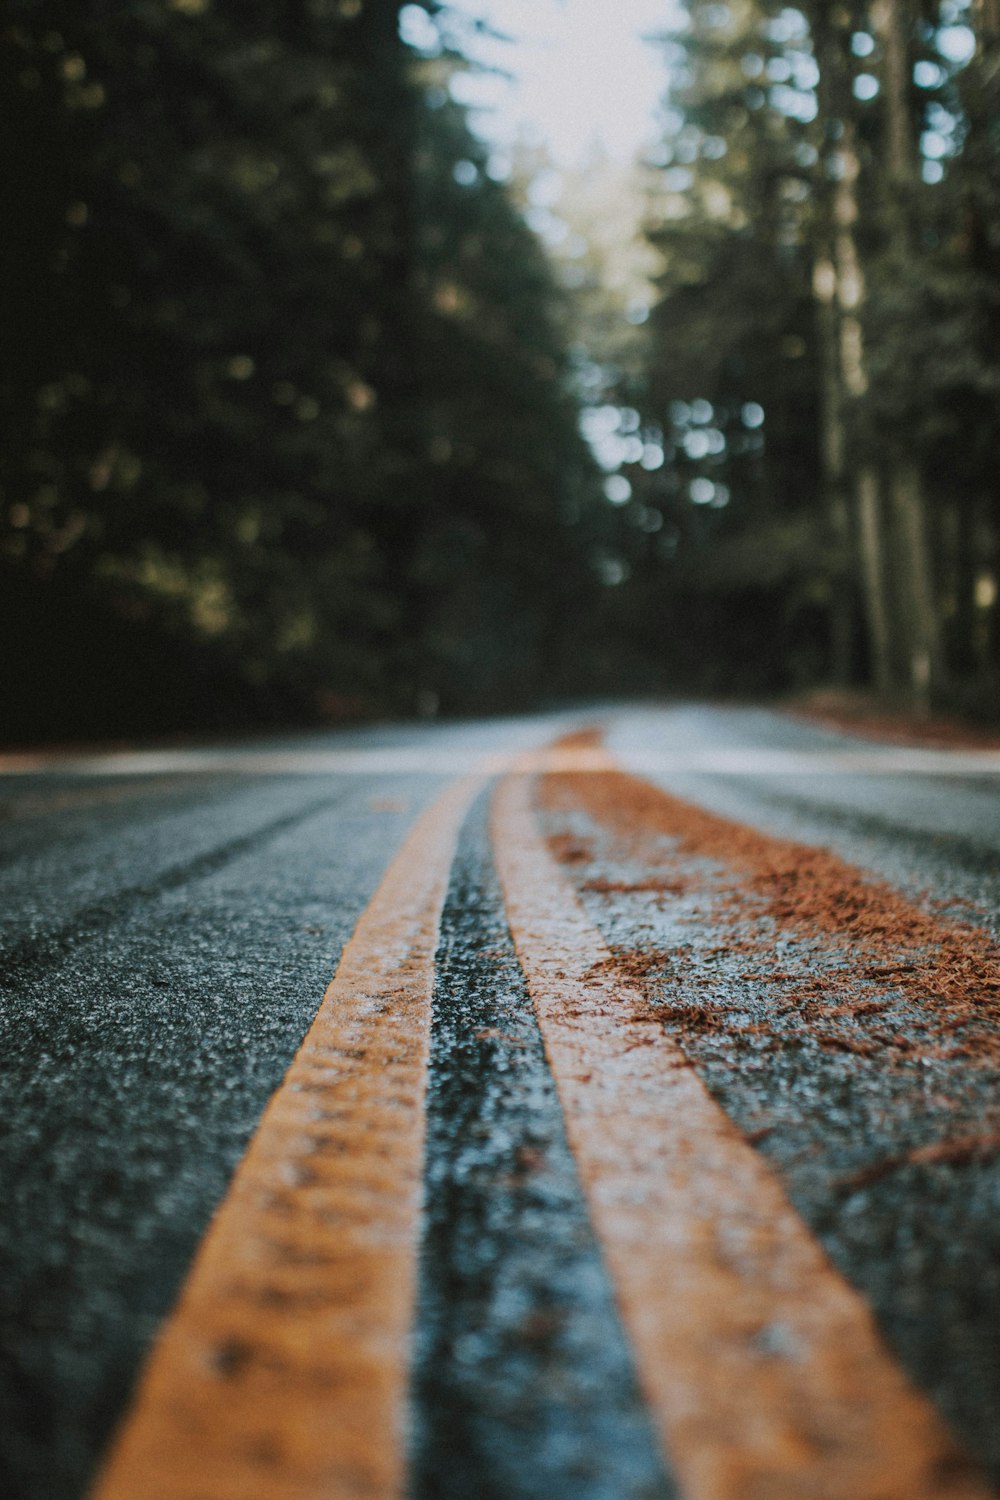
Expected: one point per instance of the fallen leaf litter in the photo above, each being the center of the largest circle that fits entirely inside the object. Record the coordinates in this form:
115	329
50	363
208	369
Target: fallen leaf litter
873	974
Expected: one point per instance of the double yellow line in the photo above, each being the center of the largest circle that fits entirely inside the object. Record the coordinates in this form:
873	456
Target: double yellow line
282	1373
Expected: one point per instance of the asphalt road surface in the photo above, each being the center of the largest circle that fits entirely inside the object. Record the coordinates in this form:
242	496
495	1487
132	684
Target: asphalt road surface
642	1141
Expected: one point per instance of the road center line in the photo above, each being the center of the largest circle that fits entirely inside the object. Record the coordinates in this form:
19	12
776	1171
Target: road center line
762	1366
282	1372
523	1383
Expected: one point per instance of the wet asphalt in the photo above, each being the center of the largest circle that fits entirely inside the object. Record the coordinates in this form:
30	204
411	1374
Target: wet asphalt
922	1241
143	1033
924	833
164	944
523	1381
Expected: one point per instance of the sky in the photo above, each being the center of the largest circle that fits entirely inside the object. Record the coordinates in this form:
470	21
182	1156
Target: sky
581	73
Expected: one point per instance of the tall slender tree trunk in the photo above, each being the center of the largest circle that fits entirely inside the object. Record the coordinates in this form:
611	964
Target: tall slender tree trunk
986	18
870	529
925	666
870	526
926	670
838	289
981	101
834	456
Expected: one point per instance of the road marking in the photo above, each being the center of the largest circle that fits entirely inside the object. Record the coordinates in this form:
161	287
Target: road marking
762	1366
414	761
281	1374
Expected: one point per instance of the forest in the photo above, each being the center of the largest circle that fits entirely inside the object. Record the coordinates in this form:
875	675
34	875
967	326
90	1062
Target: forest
824	359
305	422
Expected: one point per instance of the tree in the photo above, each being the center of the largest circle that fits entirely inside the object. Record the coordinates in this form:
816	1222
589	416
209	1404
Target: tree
875	130
734	338
284	378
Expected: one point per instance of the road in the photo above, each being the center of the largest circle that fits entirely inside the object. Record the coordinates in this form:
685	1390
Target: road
643	1142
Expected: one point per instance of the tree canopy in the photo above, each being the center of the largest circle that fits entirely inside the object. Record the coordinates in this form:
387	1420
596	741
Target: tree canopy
291	429
824	359
310	414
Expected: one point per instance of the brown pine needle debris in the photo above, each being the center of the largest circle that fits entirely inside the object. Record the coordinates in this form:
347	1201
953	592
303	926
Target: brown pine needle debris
952	1153
880	948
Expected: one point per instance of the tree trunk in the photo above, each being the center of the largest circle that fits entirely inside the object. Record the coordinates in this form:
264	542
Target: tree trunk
924	665
870	546
986	19
833	449
890	21
924	659
836	286
881	616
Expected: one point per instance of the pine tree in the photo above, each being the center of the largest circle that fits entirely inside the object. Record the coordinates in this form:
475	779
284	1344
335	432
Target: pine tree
733	334
285	380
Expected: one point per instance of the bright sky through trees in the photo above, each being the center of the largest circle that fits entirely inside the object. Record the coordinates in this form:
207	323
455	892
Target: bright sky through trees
581	73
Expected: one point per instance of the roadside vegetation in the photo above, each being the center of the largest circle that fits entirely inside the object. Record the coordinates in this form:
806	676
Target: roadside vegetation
290	427
309	418
824	351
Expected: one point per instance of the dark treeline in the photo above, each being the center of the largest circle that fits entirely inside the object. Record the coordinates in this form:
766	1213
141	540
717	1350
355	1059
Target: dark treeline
293	403
825	351
287	424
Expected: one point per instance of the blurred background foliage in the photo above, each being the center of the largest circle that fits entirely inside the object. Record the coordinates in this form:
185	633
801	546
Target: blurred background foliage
823	357
310	415
289	426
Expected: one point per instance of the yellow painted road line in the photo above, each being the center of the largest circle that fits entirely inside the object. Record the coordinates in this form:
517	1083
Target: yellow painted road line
762	1367
281	1374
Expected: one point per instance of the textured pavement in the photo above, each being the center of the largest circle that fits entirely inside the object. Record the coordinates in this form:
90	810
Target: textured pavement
166	936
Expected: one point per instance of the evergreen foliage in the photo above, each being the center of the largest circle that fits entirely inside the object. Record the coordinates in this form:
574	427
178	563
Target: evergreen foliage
828	216
284	378
292	393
